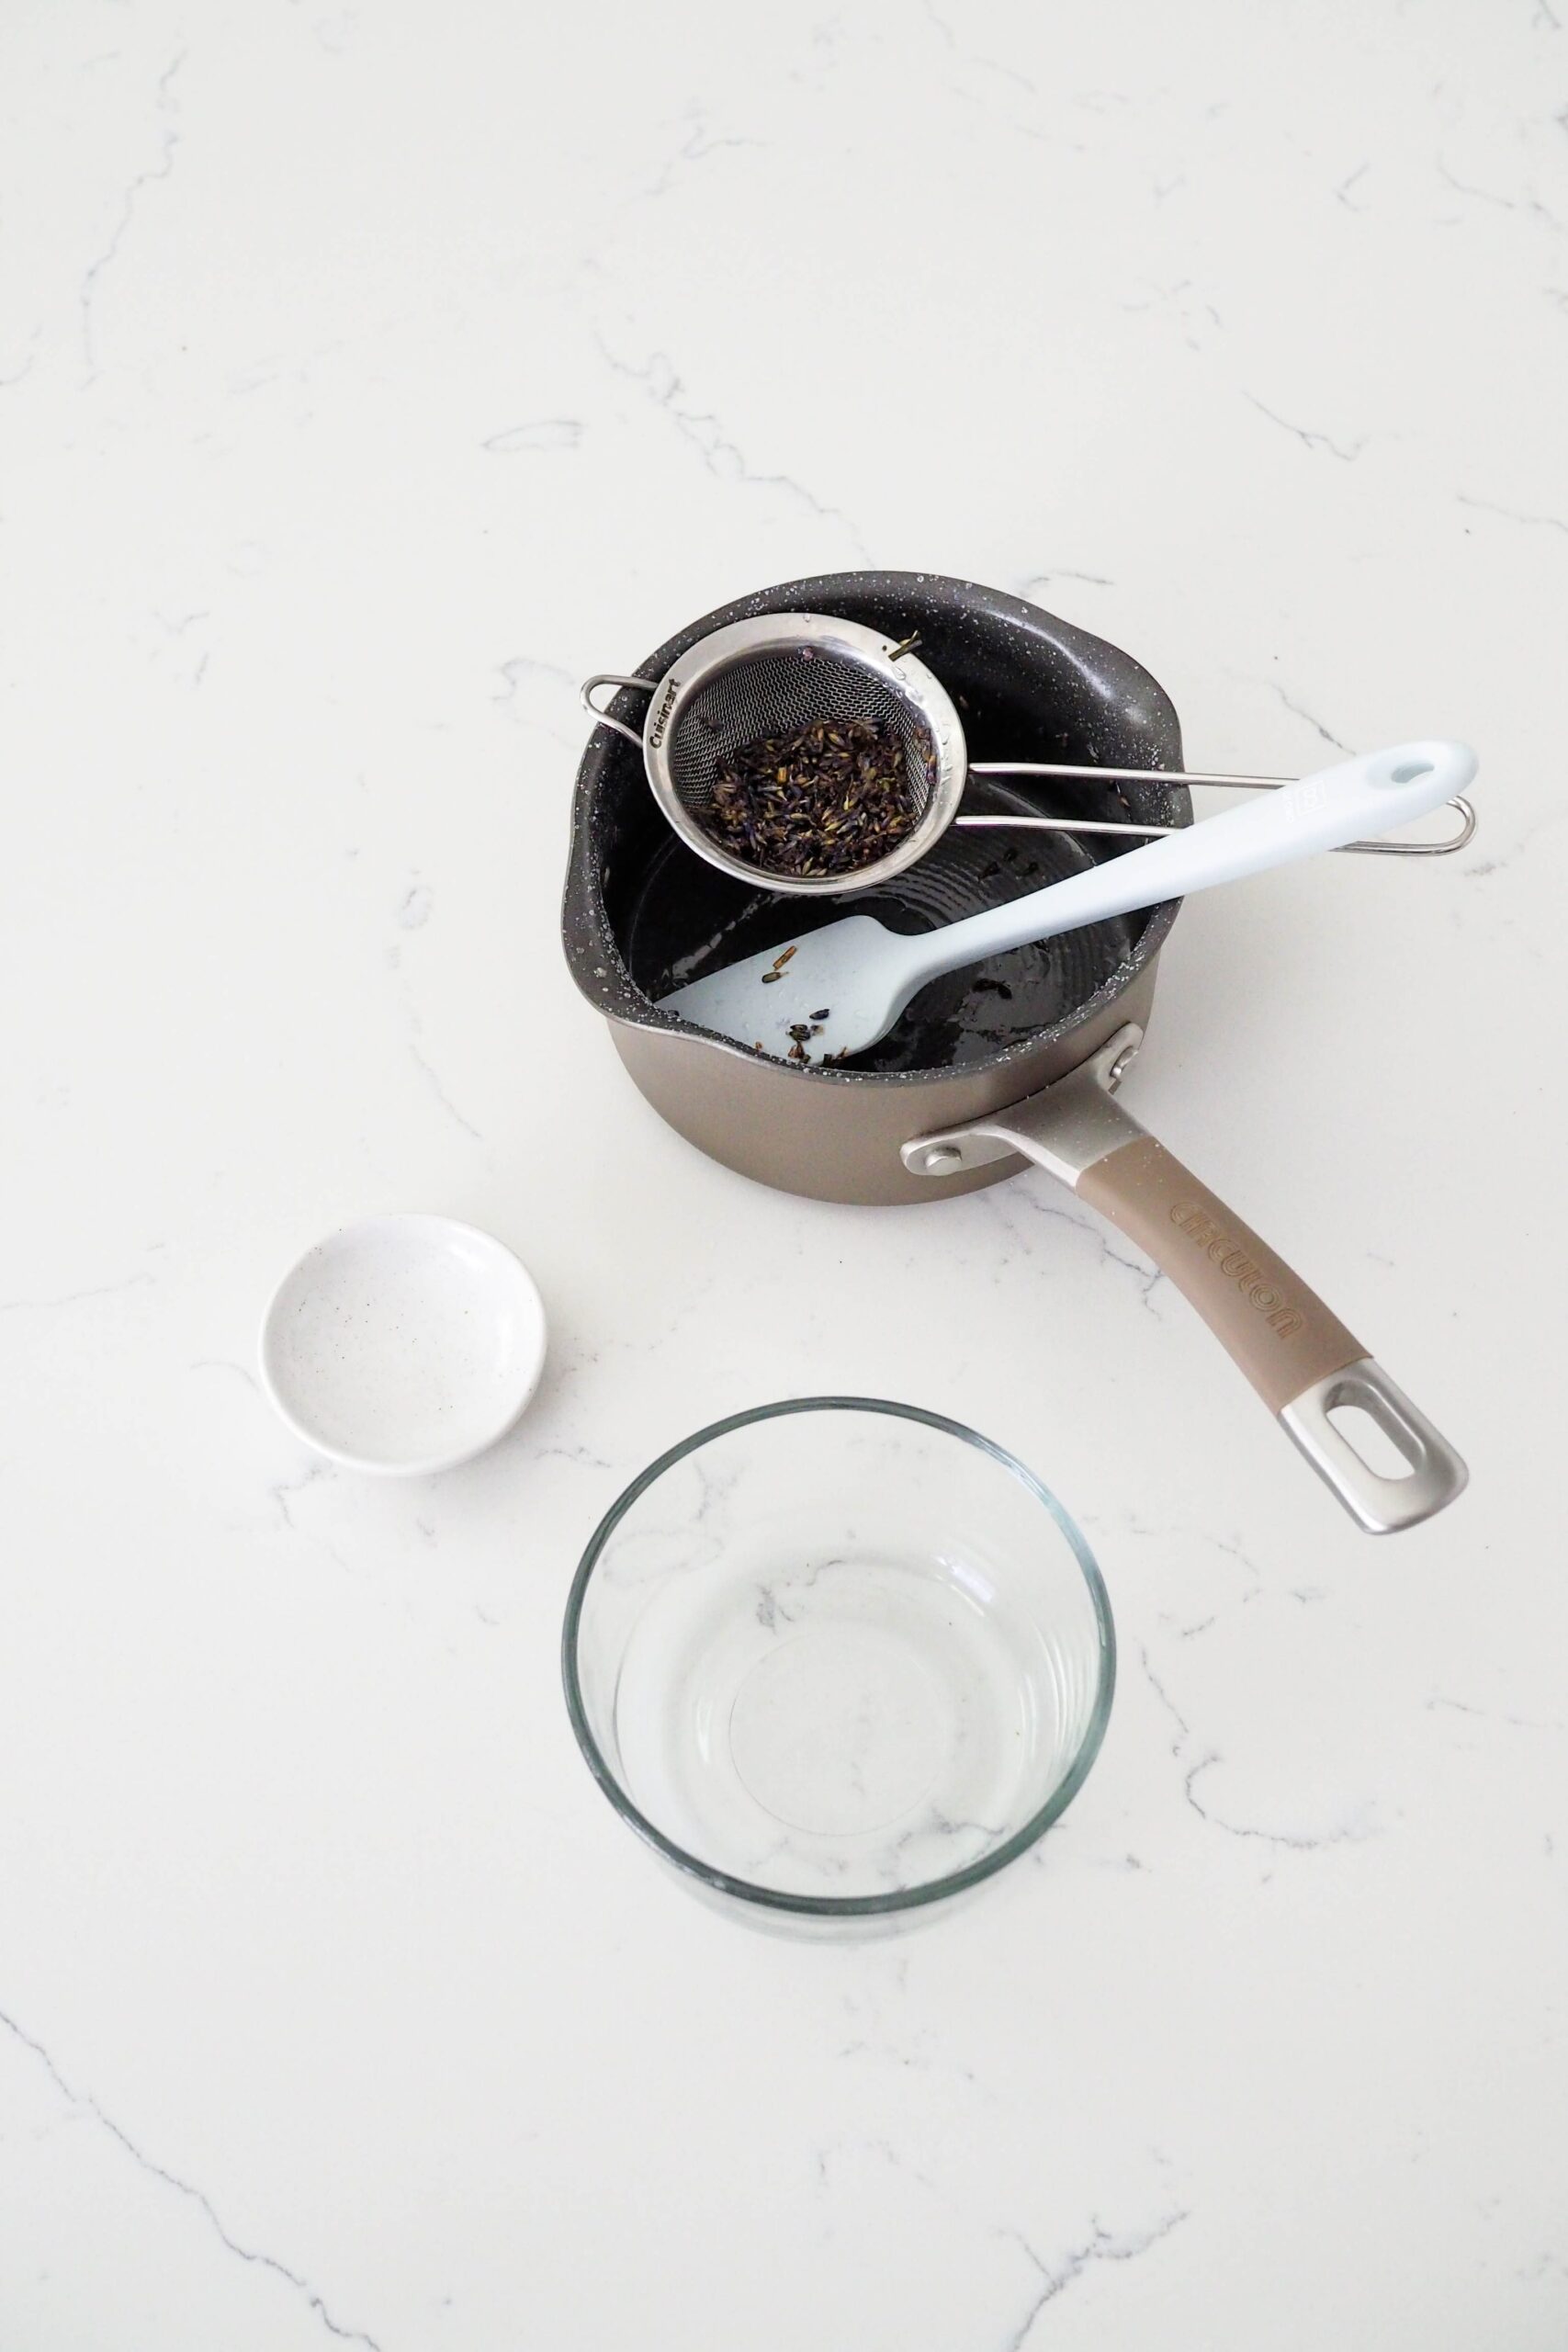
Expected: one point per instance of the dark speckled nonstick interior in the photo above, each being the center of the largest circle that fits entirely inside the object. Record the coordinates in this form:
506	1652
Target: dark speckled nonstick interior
642	912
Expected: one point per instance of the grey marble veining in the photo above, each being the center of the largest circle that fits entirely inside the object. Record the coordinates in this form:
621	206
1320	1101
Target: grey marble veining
366	380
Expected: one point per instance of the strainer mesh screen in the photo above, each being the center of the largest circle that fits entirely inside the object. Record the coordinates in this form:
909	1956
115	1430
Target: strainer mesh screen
776	692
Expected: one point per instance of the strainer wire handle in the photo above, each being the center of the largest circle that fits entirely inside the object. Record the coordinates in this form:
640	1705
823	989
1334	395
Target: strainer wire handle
1444	848
614	678
1463	810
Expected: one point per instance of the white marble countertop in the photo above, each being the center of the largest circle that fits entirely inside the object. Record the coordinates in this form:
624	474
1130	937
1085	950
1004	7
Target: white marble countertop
370	373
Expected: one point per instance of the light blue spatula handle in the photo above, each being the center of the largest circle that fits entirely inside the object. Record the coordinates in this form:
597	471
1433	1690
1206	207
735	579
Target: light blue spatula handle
1370	795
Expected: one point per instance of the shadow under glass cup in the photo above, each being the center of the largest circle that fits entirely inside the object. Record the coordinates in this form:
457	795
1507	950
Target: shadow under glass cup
838	1660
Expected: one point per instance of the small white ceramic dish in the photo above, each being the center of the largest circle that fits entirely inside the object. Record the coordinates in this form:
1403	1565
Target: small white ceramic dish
403	1344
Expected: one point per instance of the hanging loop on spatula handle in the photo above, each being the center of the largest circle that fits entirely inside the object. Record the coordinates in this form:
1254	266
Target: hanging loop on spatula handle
1300	1358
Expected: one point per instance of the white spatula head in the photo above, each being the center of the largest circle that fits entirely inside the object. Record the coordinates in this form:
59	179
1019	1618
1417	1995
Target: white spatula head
811	999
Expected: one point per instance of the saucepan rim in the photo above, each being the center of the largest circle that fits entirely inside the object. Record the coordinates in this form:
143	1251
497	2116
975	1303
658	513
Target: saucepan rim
593	952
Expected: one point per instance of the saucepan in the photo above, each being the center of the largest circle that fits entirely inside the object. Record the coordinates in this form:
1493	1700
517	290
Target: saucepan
1012	1061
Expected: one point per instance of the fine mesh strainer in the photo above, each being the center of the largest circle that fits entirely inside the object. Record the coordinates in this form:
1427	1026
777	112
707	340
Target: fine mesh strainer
770	677
781	672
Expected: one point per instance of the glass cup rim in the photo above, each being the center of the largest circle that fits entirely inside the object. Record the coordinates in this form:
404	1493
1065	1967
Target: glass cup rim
837	1906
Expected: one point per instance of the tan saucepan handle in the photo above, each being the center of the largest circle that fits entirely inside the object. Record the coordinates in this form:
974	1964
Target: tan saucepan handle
1296	1353
1279	1332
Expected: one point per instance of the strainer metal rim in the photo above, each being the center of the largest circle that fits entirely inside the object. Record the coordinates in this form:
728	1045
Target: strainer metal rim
853	642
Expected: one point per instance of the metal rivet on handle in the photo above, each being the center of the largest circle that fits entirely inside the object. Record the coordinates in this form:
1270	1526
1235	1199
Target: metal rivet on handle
941	1155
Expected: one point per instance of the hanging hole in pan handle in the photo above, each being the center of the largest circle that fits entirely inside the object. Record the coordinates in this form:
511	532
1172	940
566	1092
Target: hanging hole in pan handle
613	678
1322	1422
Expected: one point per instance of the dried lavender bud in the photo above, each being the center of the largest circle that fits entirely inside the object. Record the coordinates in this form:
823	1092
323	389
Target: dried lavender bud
830	799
